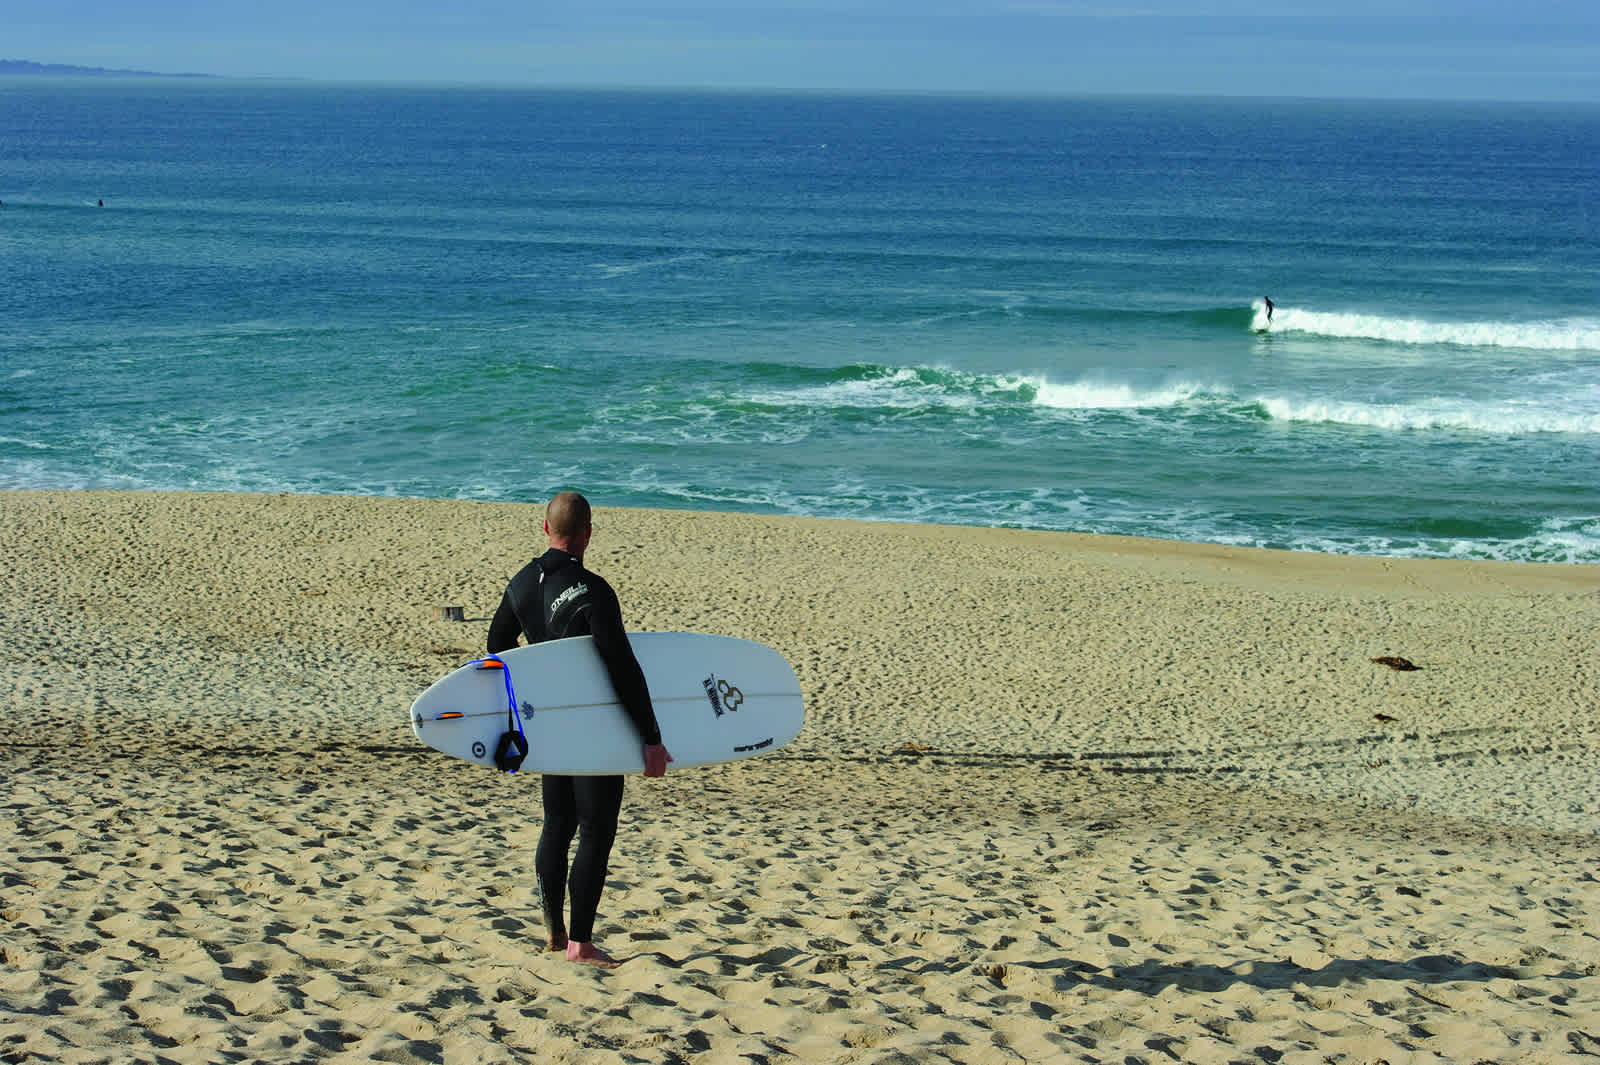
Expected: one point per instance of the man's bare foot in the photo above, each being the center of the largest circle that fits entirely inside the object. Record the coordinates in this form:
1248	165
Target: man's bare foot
590	954
555	942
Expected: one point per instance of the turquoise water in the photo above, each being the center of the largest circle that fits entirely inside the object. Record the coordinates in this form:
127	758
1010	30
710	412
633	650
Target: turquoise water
1034	313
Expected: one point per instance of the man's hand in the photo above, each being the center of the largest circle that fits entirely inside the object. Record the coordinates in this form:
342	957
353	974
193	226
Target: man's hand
655	760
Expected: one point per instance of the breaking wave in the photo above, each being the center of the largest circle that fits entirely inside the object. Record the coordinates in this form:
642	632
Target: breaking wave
1568	334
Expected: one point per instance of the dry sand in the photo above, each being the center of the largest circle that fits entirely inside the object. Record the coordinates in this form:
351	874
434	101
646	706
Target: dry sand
1058	798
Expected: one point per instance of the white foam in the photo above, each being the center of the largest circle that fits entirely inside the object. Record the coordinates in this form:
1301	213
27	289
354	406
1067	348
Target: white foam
1574	541
1507	418
901	388
1566	334
1112	395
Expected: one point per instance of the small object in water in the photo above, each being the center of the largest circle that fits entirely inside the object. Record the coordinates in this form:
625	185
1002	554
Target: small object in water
1395	662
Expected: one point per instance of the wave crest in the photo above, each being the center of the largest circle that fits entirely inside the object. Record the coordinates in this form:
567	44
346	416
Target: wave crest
1568	334
1506	420
906	389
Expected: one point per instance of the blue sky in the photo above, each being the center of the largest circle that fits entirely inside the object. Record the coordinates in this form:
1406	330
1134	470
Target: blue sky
1469	49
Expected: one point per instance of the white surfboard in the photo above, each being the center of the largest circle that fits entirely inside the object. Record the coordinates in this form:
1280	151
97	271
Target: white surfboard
717	699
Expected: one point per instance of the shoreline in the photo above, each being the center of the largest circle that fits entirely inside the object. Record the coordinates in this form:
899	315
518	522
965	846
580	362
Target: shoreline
1058	797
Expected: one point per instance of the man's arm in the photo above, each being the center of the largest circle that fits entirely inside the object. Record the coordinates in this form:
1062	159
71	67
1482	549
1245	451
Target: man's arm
611	641
628	678
505	628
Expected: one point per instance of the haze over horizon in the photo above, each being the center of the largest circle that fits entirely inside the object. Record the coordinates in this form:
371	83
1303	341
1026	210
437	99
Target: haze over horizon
1477	50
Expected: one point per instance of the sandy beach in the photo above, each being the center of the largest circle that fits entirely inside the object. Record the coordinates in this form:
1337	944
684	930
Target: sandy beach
1058	798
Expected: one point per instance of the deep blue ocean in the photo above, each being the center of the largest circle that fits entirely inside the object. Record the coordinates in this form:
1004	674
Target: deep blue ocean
1042	313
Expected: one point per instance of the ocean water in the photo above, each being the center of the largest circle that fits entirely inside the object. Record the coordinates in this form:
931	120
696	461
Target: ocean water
1041	313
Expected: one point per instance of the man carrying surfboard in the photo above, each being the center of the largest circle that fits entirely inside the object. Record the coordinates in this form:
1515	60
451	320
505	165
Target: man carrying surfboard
551	598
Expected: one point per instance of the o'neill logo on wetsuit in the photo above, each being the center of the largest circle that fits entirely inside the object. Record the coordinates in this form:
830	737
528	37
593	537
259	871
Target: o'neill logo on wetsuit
567	596
723	695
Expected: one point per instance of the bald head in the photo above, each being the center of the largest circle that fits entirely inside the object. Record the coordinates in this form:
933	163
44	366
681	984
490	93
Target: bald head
567	522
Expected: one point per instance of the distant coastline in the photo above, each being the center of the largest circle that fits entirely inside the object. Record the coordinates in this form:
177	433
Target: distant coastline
27	67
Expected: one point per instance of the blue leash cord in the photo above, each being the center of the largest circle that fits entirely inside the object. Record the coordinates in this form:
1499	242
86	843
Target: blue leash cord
513	718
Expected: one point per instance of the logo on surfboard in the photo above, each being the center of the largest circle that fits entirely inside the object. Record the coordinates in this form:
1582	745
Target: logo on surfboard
723	696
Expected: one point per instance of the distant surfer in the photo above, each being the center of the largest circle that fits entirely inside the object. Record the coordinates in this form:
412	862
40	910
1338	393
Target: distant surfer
1268	301
551	598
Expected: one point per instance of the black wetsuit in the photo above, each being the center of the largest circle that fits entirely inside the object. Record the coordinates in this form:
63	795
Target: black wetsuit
552	598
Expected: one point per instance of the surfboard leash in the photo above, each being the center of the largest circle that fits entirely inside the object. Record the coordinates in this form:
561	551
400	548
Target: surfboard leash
513	746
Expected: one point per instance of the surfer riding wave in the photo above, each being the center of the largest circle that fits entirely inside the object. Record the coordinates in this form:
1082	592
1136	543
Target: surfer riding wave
1261	316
